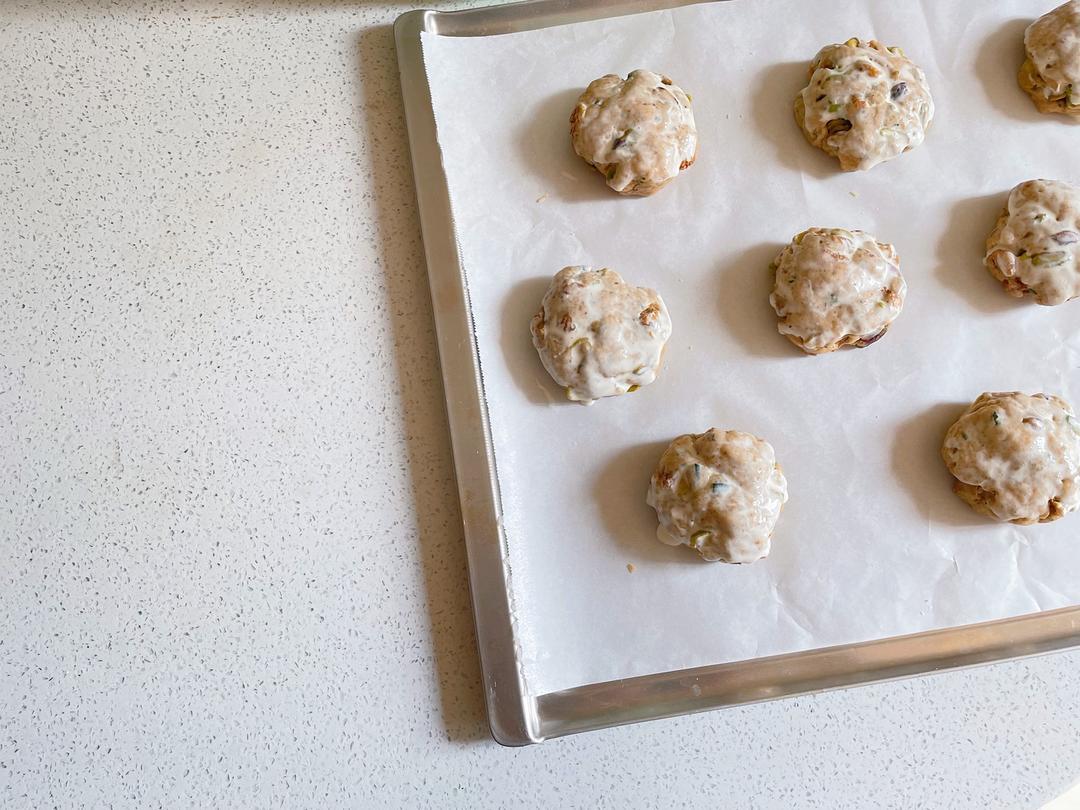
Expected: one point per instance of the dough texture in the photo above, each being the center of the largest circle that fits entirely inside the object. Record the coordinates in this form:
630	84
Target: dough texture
864	103
1016	457
1051	72
599	336
719	492
1035	246
834	287
638	132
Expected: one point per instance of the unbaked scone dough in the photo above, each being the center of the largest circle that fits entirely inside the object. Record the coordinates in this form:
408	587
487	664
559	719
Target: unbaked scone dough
719	492
834	287
1016	457
1051	72
599	336
865	103
1035	247
638	132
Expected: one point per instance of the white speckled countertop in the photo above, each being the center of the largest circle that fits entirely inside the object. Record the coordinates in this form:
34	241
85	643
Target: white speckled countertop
231	566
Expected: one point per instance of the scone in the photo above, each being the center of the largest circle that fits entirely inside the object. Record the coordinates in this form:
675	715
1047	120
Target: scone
638	132
1051	72
1016	457
599	336
1035	246
719	492
833	287
865	103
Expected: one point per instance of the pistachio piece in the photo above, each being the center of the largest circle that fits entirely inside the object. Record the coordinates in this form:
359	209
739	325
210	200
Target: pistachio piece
696	539
1049	259
837	125
1004	261
867	341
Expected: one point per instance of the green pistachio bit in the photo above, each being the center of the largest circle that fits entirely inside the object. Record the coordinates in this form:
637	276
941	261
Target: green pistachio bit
696	538
1051	259
881	304
996	417
1040	217
834	107
853	42
632	389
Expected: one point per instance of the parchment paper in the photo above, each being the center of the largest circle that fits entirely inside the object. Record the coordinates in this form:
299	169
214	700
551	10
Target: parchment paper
872	542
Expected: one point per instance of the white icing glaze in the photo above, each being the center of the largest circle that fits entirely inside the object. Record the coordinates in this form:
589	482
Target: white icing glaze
599	336
864	103
1035	247
1052	68
639	131
719	492
834	287
1016	457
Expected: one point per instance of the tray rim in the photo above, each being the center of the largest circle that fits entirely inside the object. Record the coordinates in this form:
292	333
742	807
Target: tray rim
517	717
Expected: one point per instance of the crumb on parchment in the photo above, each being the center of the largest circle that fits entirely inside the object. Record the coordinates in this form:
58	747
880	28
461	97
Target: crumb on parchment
630	567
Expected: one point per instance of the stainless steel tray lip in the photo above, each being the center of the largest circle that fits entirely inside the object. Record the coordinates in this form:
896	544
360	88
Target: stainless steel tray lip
511	712
516	716
511	18
649	697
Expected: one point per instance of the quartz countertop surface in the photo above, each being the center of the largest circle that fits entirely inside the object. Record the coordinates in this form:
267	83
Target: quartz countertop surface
231	562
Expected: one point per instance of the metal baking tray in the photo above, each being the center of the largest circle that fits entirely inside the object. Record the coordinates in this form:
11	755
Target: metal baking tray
516	716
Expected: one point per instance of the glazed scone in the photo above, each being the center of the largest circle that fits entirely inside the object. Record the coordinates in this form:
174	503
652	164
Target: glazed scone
719	492
1035	246
833	287
638	132
1016	457
599	336
1051	72
865	103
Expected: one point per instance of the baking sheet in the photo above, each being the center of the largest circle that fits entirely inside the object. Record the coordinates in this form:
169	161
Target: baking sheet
872	542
